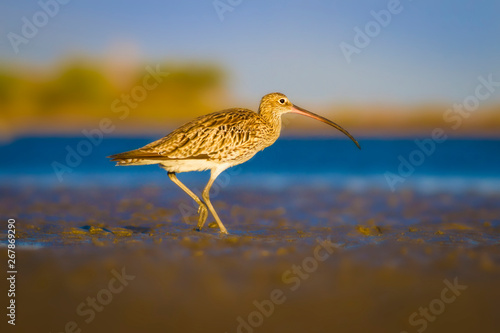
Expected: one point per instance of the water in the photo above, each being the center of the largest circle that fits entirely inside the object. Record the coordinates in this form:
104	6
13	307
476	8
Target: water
454	165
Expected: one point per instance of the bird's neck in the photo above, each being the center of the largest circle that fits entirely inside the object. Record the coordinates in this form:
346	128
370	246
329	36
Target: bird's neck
274	121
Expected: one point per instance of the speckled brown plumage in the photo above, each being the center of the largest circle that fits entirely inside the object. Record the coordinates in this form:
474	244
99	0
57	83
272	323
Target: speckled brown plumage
216	142
228	136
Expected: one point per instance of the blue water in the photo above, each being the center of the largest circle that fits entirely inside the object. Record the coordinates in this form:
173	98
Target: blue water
456	164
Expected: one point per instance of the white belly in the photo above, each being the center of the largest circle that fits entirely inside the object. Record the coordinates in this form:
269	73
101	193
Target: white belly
190	165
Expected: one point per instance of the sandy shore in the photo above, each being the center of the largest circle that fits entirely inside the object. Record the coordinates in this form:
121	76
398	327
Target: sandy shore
304	260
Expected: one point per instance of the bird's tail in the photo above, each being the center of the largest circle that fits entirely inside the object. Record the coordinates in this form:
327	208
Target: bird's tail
132	157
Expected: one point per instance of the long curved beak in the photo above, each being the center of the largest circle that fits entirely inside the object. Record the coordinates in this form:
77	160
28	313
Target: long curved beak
299	110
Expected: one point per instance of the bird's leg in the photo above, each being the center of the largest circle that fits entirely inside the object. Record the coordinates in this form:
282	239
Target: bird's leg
202	209
206	196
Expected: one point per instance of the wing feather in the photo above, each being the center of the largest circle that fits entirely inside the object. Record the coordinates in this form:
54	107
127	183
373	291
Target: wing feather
218	136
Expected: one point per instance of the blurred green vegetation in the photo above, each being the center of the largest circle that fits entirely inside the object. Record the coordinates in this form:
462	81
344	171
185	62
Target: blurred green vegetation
76	84
79	92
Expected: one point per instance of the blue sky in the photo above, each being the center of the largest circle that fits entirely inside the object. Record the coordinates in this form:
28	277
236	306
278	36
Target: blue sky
430	51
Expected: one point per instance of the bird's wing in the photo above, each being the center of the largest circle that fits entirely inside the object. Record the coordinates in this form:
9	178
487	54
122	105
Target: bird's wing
217	136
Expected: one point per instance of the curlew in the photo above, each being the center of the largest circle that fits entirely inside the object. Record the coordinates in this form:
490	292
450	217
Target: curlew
218	141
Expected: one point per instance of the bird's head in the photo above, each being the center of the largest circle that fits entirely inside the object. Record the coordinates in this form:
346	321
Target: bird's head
278	104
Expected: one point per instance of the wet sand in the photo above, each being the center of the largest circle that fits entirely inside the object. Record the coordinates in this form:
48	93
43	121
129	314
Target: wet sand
118	259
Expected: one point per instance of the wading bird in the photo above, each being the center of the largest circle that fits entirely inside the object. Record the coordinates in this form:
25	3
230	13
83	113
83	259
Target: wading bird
218	141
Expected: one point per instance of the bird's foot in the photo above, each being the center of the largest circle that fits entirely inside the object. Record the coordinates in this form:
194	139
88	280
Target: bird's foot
202	210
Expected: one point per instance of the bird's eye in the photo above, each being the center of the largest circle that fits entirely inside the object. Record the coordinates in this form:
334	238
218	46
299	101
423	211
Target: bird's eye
282	101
